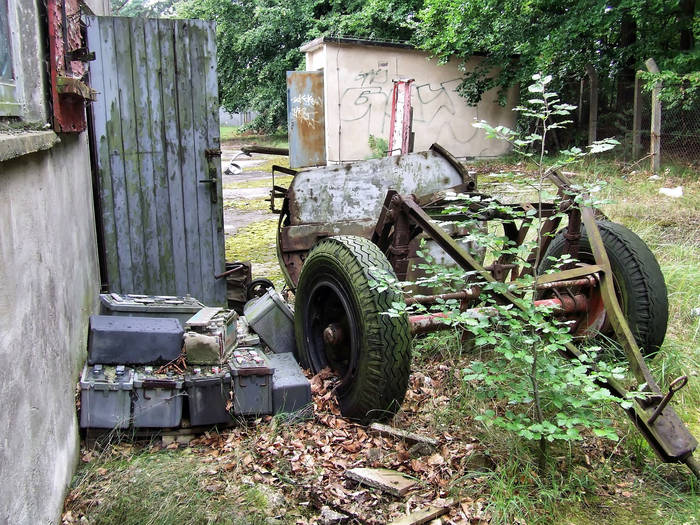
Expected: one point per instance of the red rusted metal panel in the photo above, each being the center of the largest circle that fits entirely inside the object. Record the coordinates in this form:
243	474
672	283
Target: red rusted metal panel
68	89
401	118
305	119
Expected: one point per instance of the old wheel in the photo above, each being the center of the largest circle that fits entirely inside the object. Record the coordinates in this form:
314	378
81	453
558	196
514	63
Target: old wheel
638	281
258	287
341	323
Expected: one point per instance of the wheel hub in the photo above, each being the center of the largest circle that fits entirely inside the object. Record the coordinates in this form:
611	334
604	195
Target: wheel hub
332	330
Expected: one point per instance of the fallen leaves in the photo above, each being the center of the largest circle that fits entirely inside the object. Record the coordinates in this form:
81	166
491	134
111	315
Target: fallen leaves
308	460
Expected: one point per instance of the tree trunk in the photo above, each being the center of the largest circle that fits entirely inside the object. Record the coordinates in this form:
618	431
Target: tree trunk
625	78
686	18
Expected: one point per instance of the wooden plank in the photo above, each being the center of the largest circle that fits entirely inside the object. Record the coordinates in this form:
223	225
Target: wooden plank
97	80
173	168
200	133
187	154
637	117
593	105
166	264
141	64
387	480
408	437
213	131
421	516
655	143
131	174
121	249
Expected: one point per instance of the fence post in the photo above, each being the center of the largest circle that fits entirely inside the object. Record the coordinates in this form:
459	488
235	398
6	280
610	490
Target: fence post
655	148
593	108
637	117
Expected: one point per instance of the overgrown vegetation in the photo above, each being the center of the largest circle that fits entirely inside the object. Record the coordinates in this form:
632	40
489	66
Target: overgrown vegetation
274	471
548	397
258	41
256	243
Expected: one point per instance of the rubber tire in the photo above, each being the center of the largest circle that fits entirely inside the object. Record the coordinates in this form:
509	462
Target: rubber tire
638	279
380	380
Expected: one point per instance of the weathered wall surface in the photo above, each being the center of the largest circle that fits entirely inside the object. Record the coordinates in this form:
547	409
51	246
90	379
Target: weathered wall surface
49	285
49	281
358	86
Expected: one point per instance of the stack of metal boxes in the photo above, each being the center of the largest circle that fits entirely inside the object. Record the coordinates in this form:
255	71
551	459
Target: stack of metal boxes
110	385
142	364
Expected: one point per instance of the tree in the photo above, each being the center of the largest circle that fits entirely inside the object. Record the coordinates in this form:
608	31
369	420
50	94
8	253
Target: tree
521	37
142	8
258	41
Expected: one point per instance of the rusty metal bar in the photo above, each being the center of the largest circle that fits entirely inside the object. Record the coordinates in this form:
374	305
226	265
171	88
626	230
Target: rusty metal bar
612	307
674	387
471	293
568	283
265	150
588	269
424	323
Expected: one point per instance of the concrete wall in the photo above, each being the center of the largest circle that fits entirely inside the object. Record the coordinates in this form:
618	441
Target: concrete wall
358	86
49	285
235	119
49	281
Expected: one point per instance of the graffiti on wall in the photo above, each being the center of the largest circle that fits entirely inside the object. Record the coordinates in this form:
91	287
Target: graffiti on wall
306	108
366	105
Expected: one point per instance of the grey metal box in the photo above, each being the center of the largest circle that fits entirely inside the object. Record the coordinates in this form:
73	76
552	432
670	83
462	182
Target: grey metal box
251	381
133	305
291	391
212	322
133	340
157	400
208	394
105	397
273	321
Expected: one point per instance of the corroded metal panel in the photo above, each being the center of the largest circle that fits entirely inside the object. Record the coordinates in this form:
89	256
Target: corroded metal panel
156	130
351	192
66	66
305	119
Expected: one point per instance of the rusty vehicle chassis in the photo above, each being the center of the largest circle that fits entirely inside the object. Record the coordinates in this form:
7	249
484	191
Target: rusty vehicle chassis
404	217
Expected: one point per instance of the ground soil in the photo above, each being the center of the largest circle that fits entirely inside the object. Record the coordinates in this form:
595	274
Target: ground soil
236	218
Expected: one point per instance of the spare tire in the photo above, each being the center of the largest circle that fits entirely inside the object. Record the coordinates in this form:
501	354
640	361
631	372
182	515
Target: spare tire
638	280
341	322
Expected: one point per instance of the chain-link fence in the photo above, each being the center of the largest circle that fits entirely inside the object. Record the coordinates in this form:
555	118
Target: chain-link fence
680	135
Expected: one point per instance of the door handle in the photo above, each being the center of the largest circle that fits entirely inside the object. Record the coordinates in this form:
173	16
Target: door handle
212	181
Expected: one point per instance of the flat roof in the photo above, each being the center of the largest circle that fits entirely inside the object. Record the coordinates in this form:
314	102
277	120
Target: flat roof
318	42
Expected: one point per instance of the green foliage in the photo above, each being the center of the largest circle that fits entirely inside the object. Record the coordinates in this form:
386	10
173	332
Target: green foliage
521	37
379	146
538	394
680	81
142	8
258	41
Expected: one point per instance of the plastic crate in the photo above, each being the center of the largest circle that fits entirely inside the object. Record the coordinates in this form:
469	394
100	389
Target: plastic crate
291	391
157	400
273	321
208	393
105	396
133	340
251	381
133	305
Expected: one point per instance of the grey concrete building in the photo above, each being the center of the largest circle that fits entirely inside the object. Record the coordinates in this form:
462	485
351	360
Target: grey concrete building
49	272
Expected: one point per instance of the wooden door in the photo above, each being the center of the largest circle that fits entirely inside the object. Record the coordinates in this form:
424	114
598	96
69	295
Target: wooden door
156	135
